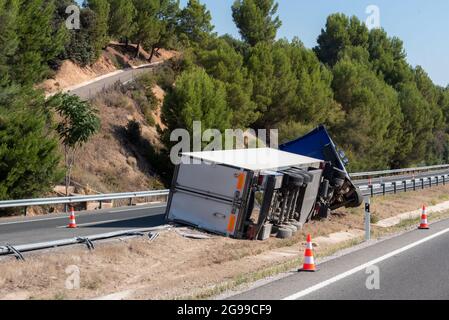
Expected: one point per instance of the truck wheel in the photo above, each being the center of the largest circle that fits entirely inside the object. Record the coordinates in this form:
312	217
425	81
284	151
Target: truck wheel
297	224
291	227
357	199
284	233
338	183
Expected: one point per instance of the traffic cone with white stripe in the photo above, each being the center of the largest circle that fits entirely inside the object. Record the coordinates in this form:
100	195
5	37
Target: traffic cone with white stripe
309	262
72	221
424	224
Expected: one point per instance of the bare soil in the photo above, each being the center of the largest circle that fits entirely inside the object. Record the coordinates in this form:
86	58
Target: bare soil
173	266
110	162
115	57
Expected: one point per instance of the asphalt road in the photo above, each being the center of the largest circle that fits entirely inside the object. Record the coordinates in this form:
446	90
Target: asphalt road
28	230
90	90
414	265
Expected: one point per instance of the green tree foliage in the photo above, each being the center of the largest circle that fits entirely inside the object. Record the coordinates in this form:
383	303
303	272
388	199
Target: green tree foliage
196	97
39	41
417	126
100	34
371	128
315	99
339	33
122	19
81	47
256	20
166	26
29	156
195	22
79	122
222	62
274	84
388	57
145	32
9	40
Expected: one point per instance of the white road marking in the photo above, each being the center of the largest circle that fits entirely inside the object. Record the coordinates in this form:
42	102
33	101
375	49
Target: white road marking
141	208
343	275
94	223
35	220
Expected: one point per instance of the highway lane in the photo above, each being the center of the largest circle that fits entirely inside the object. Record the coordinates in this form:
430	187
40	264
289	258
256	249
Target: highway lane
414	265
28	230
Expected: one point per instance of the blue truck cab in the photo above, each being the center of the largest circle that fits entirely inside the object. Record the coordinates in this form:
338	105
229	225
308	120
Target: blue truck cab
337	189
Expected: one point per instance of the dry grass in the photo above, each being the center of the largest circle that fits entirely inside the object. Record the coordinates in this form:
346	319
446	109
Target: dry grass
172	266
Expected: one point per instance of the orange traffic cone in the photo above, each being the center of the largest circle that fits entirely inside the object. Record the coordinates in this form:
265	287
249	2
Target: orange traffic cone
72	222
424	224
309	263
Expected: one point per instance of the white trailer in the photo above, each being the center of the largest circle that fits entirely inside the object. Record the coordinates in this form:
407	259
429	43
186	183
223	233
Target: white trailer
245	193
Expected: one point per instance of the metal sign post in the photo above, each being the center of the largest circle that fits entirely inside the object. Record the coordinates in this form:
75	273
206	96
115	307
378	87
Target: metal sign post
367	219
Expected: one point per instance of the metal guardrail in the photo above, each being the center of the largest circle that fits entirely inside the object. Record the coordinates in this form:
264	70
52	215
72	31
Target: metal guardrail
396	171
17	250
81	199
374	189
404	185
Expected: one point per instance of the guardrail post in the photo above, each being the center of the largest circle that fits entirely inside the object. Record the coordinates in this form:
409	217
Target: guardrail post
438	180
100	204
394	187
130	203
444	180
422	183
414	184
25	211
367	219
405	185
371	187
430	182
383	189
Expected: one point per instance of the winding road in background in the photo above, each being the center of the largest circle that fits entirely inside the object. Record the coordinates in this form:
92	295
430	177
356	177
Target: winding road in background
93	87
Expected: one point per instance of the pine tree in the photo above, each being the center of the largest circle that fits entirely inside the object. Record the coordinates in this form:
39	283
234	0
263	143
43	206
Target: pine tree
8	37
100	38
147	29
222	62
39	41
195	22
121	19
256	20
340	32
274	83
371	128
29	159
196	97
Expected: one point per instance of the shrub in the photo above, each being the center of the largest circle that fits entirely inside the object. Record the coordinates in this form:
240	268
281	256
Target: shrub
133	131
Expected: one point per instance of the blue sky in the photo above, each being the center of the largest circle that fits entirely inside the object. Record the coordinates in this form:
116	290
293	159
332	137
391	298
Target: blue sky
422	25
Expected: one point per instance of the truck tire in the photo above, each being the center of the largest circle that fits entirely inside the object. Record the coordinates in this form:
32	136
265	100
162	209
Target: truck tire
291	227
284	233
357	199
338	183
297	224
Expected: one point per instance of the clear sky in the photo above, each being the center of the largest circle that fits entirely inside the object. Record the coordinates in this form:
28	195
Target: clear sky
422	25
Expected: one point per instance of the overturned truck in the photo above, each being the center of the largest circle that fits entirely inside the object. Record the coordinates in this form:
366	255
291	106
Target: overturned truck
255	193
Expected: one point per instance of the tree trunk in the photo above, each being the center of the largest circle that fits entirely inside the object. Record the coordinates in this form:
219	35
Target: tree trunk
137	51
66	160
153	50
